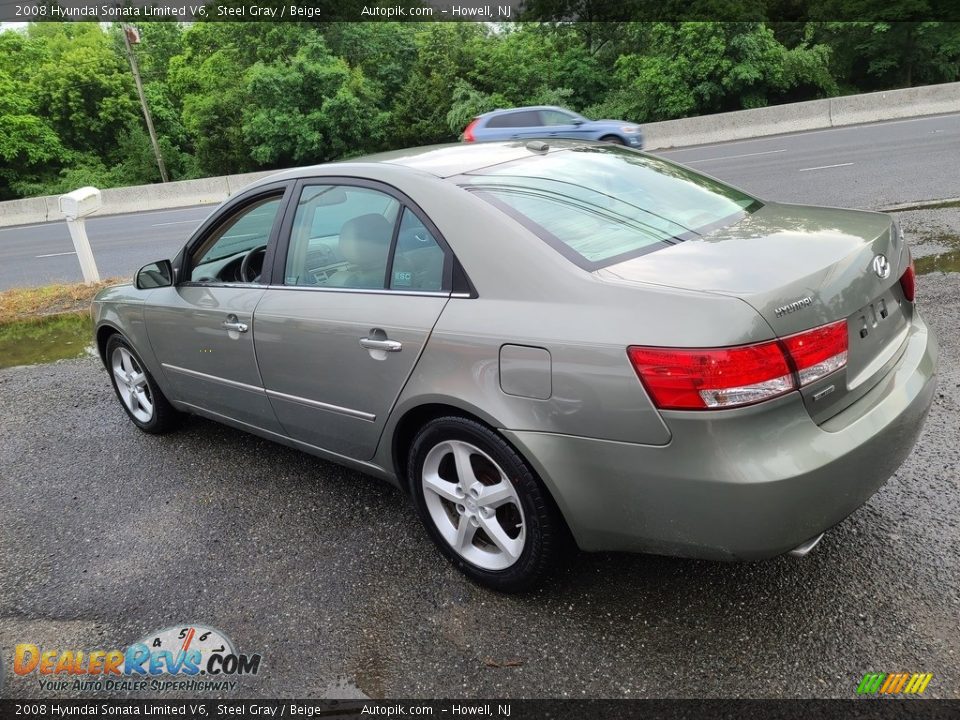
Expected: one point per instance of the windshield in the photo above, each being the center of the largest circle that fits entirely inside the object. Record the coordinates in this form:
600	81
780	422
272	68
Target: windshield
598	205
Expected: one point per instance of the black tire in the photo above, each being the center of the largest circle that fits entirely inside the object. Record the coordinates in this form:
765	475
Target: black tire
164	417
544	530
613	139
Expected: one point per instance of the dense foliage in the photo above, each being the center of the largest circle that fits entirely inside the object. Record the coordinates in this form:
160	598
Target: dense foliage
230	98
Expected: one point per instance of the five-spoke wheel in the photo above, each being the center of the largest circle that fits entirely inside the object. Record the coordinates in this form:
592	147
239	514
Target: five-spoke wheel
131	383
482	504
139	394
473	504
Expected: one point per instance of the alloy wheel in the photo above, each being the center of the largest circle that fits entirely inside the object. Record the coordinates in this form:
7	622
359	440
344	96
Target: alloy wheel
473	504
132	384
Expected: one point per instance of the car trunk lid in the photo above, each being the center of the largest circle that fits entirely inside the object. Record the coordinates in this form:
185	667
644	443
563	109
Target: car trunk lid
801	267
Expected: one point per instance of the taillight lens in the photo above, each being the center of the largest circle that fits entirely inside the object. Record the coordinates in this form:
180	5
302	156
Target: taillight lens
818	352
908	281
717	378
683	379
468	131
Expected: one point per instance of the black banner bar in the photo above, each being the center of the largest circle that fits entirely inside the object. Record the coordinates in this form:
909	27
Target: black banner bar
860	709
477	10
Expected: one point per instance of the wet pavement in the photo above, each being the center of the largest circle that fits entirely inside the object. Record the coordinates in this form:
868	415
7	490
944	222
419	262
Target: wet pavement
107	534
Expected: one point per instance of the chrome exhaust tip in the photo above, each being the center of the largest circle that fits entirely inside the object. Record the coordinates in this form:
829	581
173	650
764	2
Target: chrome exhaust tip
804	548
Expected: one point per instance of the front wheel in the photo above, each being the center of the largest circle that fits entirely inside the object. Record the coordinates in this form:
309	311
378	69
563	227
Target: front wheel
482	505
613	139
136	389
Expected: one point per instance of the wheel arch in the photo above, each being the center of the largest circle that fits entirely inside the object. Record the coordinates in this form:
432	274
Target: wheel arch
415	417
103	334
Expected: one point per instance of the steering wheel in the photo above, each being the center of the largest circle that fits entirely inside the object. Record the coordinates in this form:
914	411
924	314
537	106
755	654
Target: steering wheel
247	273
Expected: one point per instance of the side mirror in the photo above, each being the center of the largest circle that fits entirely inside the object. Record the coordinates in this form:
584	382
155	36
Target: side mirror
155	275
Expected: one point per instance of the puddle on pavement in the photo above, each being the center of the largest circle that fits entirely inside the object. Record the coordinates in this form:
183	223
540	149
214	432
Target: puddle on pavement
58	337
946	262
936	252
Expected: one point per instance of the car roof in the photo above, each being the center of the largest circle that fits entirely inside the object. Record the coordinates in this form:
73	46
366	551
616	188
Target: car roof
501	111
443	161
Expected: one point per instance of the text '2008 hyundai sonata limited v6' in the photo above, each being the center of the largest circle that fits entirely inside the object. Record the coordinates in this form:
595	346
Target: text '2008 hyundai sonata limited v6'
541	343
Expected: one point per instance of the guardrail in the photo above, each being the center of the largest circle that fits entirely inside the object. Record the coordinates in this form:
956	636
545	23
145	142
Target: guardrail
135	198
721	127
810	115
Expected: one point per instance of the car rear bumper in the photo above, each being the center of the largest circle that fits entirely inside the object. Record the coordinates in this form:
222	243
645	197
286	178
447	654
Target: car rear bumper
739	484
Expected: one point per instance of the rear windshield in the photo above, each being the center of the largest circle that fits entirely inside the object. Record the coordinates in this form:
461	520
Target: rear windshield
599	205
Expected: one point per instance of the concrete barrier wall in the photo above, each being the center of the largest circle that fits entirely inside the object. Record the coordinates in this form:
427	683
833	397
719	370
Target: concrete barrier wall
810	115
721	127
136	198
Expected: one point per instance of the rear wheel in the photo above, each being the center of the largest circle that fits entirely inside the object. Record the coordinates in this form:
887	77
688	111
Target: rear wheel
136	389
482	505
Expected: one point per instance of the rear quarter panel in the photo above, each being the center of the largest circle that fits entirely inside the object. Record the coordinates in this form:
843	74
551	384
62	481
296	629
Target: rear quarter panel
529	295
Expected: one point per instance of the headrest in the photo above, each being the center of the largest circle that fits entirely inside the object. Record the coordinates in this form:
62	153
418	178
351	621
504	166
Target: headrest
365	240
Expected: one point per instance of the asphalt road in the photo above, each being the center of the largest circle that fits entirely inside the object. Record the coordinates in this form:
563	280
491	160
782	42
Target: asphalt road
107	534
866	166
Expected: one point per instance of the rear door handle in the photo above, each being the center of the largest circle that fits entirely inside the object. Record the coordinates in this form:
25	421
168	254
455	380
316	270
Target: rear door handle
387	345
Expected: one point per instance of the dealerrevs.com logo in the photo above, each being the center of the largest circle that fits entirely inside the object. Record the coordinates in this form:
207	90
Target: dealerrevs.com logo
189	657
894	683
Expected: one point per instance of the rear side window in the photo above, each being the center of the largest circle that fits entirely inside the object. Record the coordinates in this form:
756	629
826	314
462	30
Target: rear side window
556	117
602	205
341	237
348	236
527	118
418	261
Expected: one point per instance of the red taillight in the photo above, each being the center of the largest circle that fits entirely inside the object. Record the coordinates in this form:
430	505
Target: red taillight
716	378
908	281
682	379
818	352
468	131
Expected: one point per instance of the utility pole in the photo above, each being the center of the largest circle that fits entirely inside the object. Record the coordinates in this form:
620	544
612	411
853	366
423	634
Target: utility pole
130	32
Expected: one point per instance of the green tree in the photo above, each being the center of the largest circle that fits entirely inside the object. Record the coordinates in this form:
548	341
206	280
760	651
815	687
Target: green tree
444	53
27	142
207	77
310	108
702	67
880	55
82	86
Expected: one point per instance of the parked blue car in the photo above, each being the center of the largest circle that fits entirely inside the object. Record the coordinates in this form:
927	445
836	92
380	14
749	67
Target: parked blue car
549	122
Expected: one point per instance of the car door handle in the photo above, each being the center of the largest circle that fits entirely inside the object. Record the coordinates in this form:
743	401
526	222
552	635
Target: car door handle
387	345
238	326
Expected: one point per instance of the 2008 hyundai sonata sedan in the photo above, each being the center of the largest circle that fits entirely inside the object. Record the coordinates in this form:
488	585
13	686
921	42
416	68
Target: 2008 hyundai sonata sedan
543	343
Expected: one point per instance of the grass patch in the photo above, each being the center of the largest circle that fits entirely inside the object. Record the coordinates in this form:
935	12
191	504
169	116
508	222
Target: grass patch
26	303
40	340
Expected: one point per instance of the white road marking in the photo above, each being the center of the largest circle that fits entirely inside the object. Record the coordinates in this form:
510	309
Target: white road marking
57	254
177	222
823	167
729	157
